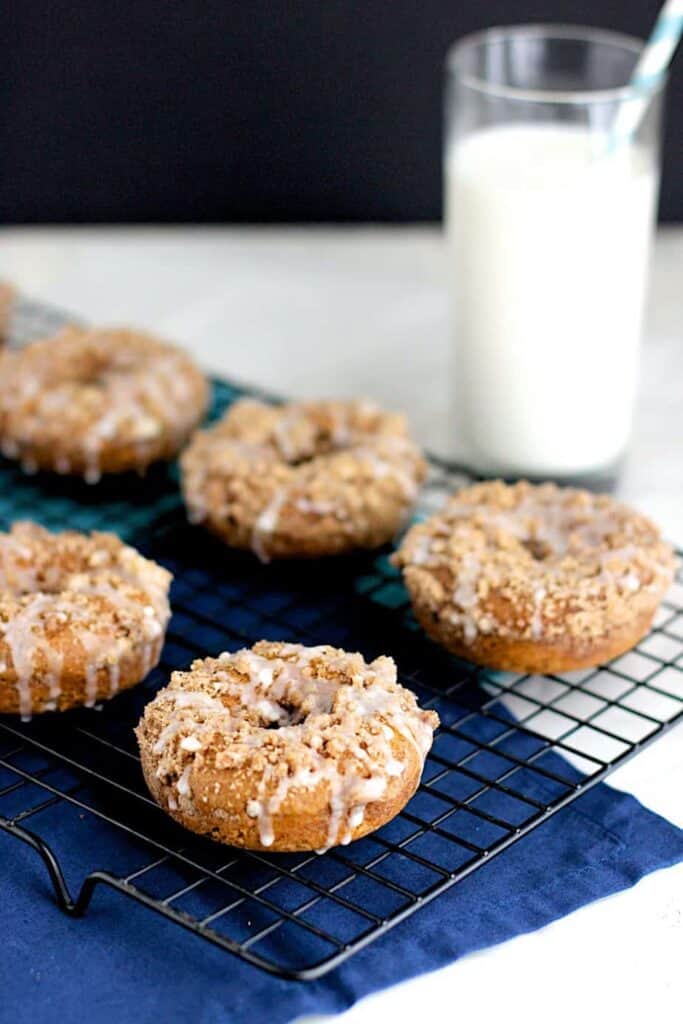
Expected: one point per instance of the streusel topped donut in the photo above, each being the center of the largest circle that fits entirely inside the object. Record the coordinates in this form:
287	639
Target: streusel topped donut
94	401
302	480
82	616
535	578
284	747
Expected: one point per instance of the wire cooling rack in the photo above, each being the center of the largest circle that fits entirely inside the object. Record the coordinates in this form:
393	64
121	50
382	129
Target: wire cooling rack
511	751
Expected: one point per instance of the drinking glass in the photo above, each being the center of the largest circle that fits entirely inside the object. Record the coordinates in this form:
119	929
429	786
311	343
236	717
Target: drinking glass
549	214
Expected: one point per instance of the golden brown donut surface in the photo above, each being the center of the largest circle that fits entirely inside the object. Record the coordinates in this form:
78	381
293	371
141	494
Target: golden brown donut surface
302	480
535	578
284	747
82	616
8	297
94	401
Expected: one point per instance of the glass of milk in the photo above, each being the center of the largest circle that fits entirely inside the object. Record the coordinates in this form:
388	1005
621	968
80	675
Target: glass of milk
549	224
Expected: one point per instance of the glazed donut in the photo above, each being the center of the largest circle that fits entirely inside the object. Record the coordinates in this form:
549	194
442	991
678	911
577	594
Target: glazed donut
89	402
284	747
535	578
81	617
302	480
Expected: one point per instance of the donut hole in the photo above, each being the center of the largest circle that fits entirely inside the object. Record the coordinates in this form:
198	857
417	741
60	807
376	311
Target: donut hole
288	715
302	459
303	436
539	549
318	447
107	373
84	365
294	704
100	381
102	401
43	585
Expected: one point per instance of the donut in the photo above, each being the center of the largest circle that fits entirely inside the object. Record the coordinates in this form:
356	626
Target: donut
283	747
8	296
302	480
94	401
538	578
82	616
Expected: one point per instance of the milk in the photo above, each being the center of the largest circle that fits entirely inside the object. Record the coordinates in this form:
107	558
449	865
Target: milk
549	237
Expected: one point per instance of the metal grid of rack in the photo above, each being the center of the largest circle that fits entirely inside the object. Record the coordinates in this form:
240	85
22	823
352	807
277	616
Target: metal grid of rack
511	751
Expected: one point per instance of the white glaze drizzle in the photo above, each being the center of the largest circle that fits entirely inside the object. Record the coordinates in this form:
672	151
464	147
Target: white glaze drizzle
114	671
184	700
282	428
382	467
90	685
537	615
316	508
21	639
466	598
559	528
284	691
183	783
296	434
266	525
143	392
58	596
421	550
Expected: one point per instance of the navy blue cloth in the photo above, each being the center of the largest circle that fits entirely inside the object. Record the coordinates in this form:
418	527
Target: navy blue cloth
124	963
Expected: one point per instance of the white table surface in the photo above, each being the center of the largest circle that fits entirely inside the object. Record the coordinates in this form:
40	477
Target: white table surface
364	311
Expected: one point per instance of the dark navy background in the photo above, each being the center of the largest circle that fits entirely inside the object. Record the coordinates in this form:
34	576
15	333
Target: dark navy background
259	110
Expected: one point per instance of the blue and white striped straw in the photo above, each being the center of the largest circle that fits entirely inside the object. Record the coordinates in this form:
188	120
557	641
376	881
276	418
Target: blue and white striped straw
651	67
